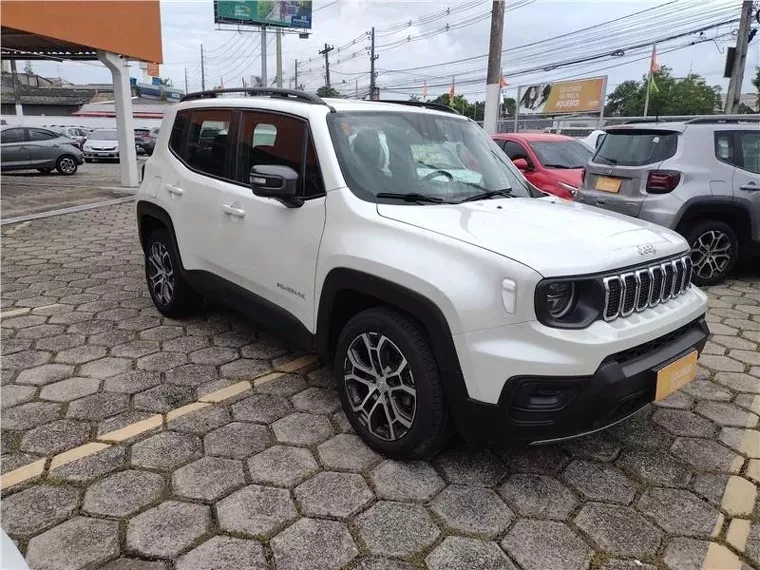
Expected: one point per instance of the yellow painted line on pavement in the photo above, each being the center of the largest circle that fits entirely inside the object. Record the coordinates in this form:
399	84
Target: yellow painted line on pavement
37	468
12	230
738	533
720	558
14	312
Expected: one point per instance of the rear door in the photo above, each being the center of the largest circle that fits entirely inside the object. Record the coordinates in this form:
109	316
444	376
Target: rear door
746	181
616	175
43	146
13	149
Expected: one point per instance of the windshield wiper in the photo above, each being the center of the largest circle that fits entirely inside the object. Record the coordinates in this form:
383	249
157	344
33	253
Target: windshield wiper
504	193
560	166
412	197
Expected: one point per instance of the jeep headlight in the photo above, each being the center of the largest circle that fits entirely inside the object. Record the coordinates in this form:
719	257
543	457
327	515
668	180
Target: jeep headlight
568	303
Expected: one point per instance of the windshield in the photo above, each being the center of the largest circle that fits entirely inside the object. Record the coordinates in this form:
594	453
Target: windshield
433	157
562	154
103	135
636	147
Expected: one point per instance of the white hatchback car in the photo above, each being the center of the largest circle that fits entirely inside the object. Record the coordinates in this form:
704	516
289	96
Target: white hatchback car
438	301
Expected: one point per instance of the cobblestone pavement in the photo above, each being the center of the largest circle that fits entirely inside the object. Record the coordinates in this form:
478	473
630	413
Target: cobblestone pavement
272	477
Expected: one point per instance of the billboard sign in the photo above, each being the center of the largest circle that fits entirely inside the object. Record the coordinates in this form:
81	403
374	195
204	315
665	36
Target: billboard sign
582	96
283	13
153	70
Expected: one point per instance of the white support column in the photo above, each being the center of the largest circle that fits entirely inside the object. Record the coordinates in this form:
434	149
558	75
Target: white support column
122	92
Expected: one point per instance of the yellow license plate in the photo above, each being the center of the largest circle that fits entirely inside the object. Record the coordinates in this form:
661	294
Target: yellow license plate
607	184
676	375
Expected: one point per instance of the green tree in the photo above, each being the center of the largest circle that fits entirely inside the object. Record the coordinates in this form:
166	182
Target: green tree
508	107
458	103
326	91
744	109
414	98
756	83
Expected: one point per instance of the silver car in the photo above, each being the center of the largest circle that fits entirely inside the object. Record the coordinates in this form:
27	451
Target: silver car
699	177
23	148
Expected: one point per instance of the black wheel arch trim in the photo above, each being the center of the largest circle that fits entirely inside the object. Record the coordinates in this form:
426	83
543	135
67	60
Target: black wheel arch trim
151	210
725	203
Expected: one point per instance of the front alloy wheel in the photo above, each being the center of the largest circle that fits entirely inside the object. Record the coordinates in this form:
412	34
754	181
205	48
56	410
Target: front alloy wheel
380	386
161	273
67	165
711	254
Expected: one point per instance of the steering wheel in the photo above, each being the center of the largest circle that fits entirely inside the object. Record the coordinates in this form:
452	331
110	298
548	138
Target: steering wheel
436	173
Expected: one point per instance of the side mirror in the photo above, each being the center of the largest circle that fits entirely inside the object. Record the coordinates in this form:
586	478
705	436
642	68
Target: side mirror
278	182
521	164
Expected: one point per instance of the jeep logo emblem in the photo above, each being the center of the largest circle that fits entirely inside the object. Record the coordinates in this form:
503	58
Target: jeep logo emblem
646	249
608	171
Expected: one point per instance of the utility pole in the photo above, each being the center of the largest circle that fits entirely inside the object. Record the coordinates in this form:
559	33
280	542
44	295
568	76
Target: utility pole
16	96
740	59
493	78
279	57
295	79
186	81
372	74
203	72
326	53
264	82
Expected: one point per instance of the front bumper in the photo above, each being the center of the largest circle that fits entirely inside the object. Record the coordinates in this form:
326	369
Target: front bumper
101	154
541	409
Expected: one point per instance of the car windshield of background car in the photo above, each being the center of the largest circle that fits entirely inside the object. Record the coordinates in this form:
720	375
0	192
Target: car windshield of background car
561	154
442	158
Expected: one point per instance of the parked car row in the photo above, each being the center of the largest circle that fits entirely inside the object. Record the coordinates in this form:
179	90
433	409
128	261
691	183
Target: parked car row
700	178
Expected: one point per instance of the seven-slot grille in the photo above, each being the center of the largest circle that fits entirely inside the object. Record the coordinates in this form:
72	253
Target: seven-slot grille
646	287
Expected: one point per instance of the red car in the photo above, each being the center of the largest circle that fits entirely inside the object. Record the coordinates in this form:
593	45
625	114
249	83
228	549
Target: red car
552	163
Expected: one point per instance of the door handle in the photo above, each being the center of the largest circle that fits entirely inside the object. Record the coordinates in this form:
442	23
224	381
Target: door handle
233	211
176	190
751	187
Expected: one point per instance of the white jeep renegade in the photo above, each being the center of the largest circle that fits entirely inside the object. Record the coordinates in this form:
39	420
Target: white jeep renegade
399	242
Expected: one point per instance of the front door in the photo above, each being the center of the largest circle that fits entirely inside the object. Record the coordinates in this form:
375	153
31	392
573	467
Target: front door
267	247
14	151
746	181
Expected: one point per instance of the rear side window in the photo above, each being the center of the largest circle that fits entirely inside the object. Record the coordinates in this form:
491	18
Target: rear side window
514	150
178	130
207	141
750	144
12	136
40	135
636	147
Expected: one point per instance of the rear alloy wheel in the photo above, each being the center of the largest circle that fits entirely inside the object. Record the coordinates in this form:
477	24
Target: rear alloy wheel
714	252
171	294
67	165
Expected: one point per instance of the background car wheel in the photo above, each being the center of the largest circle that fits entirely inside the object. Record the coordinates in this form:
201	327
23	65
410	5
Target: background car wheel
45	170
67	164
171	294
714	251
389	384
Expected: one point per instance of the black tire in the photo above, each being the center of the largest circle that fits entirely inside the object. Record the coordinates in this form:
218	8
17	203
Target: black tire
45	170
88	160
712	268
177	299
429	428
66	165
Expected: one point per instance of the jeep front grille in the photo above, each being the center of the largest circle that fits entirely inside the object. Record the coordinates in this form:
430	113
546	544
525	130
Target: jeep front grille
646	287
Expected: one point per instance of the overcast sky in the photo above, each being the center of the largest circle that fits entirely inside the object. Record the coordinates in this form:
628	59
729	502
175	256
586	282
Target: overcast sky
232	55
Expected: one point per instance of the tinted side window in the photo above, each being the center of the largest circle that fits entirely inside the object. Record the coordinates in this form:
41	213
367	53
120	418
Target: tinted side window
178	129
265	138
313	184
12	136
207	141
40	135
514	150
750	143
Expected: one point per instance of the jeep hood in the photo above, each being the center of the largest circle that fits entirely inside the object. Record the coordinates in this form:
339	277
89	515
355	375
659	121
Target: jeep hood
555	237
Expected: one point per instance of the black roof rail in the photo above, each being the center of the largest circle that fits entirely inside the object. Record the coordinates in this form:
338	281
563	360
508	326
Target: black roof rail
648	120
291	94
433	106
751	118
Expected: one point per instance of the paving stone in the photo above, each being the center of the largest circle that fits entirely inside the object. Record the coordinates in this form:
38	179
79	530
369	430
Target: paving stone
546	545
98	406
192	374
263	408
55	437
347	452
40	331
38	508
711	486
597	481
185	344
110	338
208	479
76	544
134	564
244	368
753	543
302	429
733	342
163	398
396	529
256	511
80	354
376	563
331	494
705	455
317	401
726	414
23	321
160	333
86	324
119	314
469	465
459	553
106	367
720	363
45	374
234	339
707	390
161	361
93	466
132	382
281	465
313	544
286	385
680	422
538	496
547	459
685	554
627	565
620	531
201	421
596	447
678	511
123	493
123	420
237	440
13	345
213	355
70	389
264	349
746	401
139	323
14	394
224	553
406	480
166	450
677	400
168	529
135	349
28	359
472	510
654	467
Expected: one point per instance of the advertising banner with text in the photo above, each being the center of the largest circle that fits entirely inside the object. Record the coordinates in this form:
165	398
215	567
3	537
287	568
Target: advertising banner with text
285	13
580	96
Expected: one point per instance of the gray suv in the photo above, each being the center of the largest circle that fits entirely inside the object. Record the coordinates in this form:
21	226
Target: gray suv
23	148
699	177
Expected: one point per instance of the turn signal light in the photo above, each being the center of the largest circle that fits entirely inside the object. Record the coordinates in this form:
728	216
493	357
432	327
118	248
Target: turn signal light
662	181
